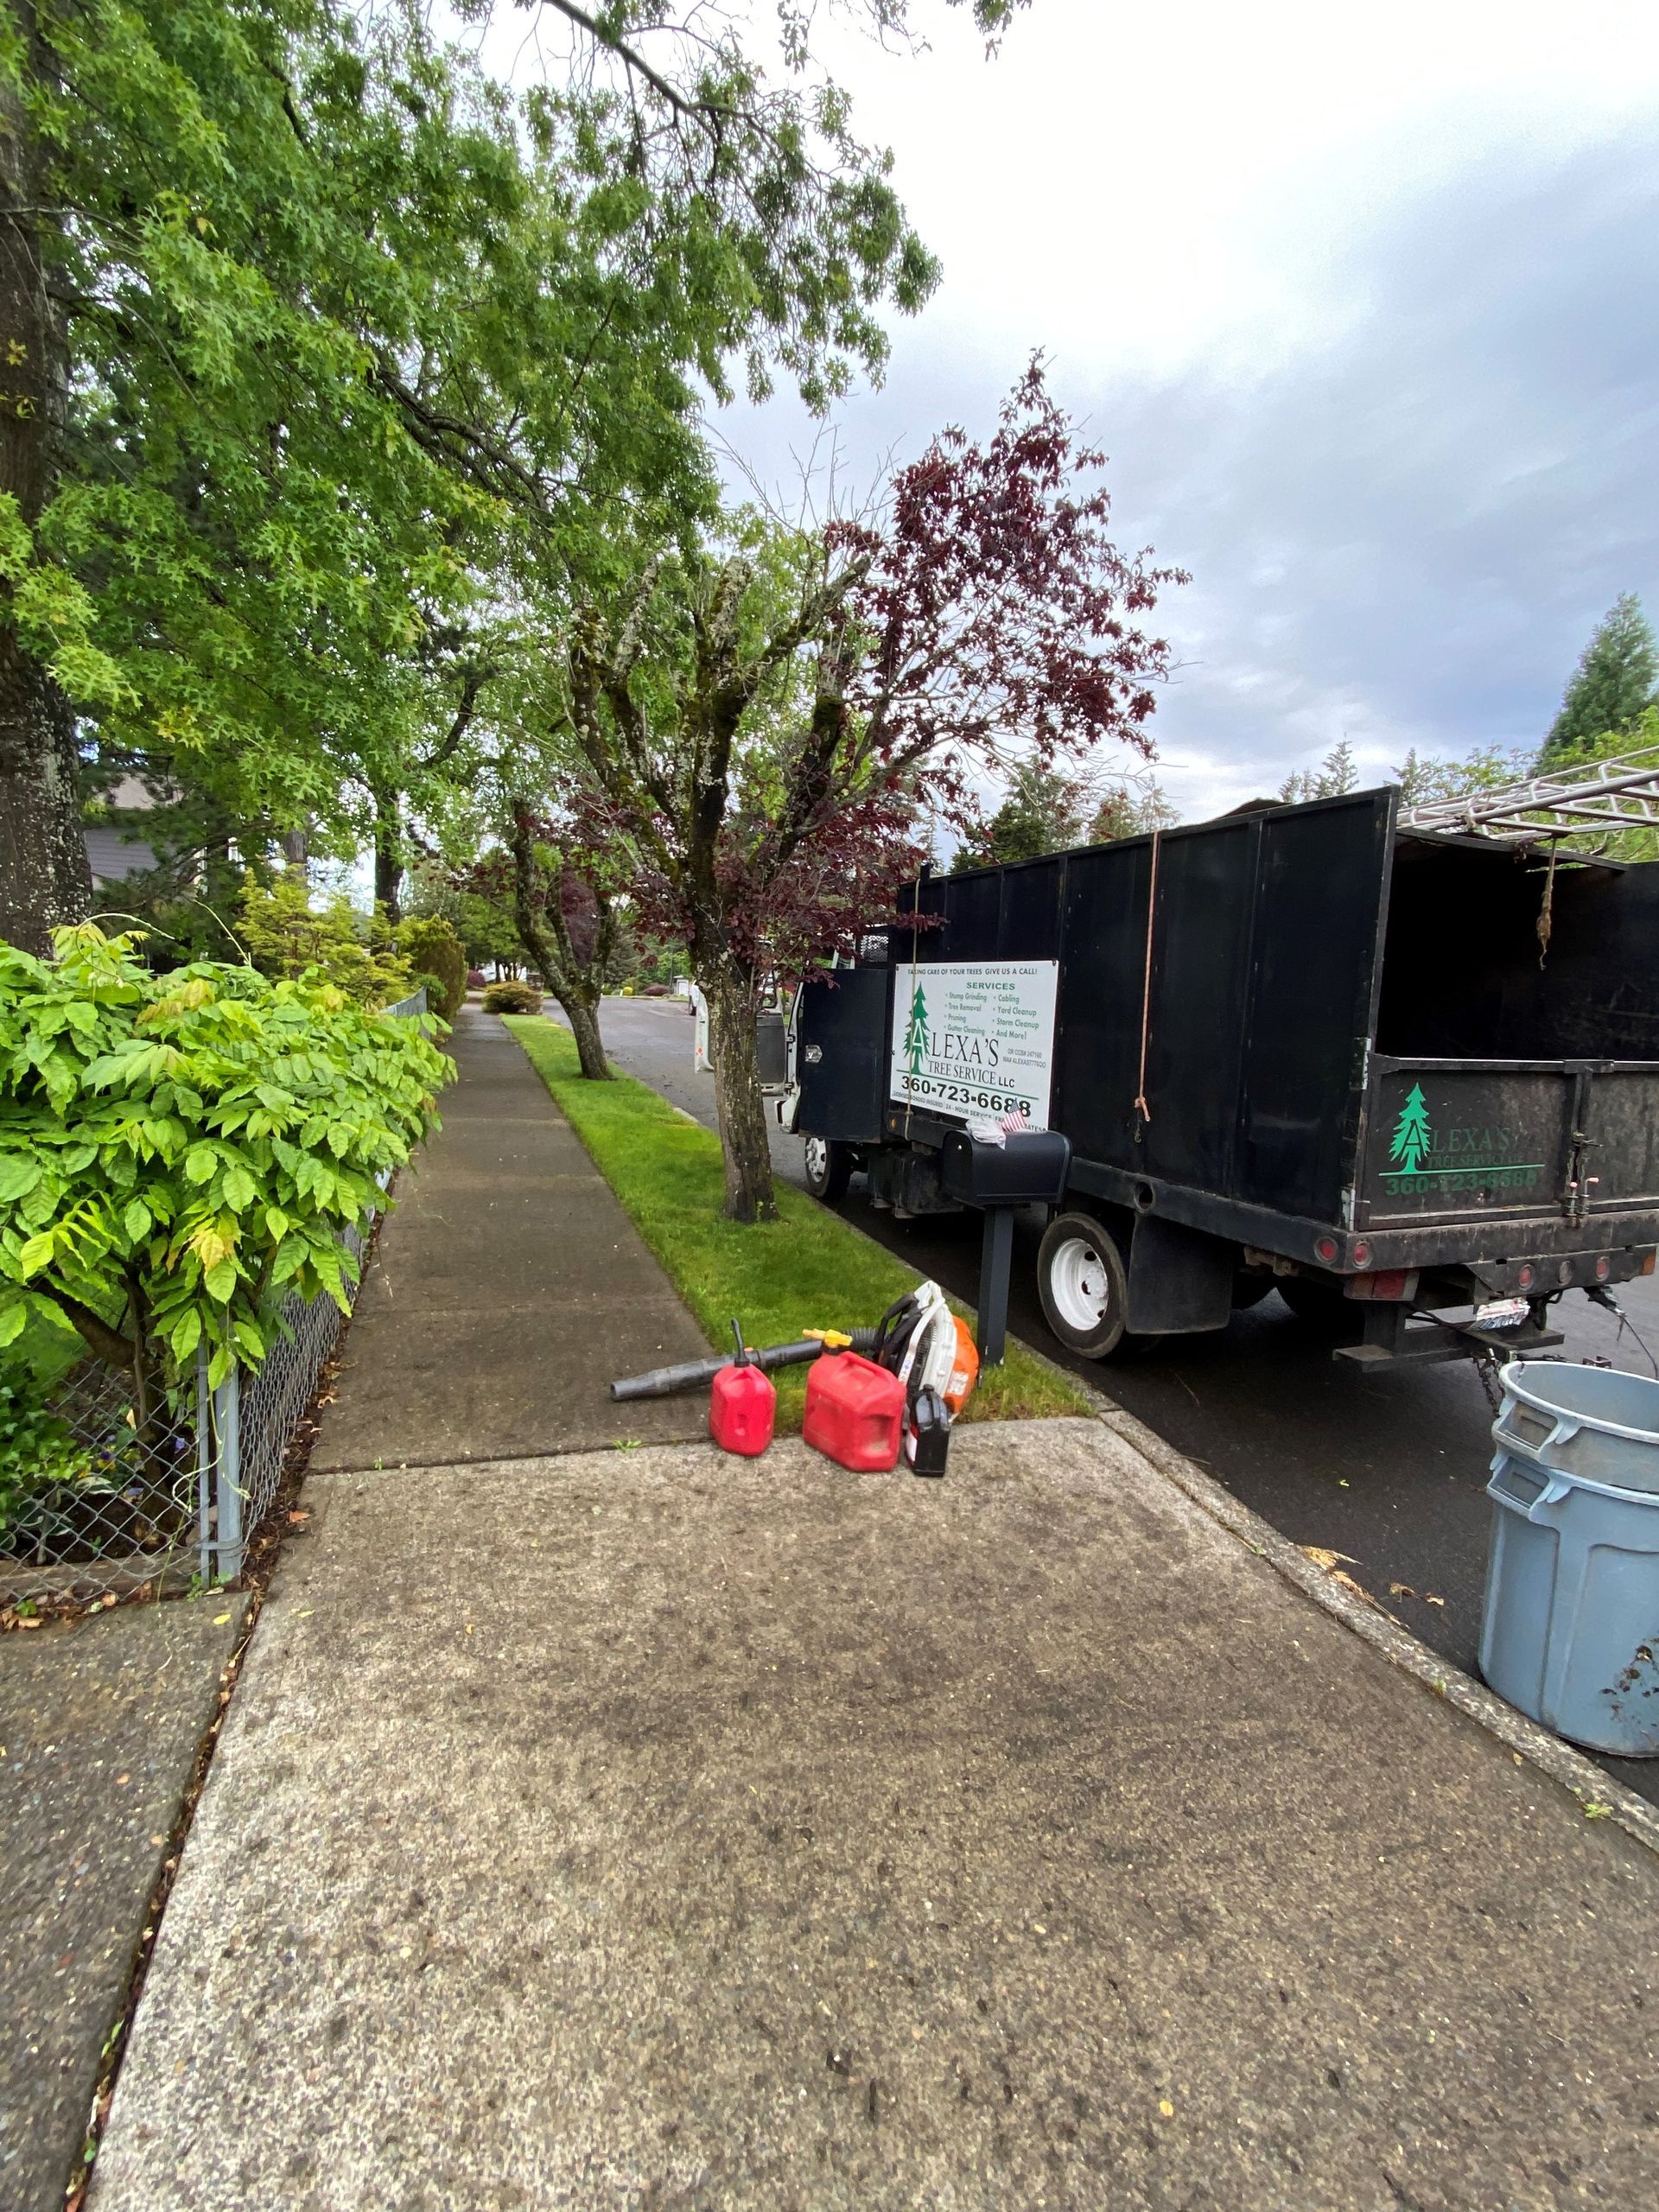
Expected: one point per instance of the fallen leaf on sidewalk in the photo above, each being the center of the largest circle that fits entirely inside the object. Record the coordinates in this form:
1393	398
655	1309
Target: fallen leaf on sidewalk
1349	1583
1429	1599
1400	1590
1327	1560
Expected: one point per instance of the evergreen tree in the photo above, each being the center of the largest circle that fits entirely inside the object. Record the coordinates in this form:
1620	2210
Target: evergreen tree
1616	677
1044	812
1335	775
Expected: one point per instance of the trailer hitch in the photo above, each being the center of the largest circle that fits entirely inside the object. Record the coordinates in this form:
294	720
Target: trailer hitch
1389	1342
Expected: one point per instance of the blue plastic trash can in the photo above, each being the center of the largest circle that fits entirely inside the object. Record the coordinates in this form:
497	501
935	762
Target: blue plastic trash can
1571	1630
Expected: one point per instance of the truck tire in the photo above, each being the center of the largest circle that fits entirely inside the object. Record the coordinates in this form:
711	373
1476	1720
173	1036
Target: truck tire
1083	1286
829	1168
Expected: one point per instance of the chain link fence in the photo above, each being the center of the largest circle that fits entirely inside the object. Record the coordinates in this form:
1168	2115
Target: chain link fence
99	1480
123	1496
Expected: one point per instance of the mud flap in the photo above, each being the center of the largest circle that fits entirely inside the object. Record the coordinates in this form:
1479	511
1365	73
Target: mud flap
1180	1279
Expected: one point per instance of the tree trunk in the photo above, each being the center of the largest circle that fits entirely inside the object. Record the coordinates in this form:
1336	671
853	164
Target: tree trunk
44	877
741	1108
584	1027
387	856
579	996
45	881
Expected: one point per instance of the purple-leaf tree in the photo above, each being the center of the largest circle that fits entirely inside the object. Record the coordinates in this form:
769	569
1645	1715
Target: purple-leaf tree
764	724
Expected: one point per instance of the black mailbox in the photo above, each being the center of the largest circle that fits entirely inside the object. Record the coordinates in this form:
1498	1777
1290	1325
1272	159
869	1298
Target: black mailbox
1030	1167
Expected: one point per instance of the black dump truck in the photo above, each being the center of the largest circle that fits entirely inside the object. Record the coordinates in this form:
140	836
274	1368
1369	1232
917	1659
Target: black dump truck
1394	1074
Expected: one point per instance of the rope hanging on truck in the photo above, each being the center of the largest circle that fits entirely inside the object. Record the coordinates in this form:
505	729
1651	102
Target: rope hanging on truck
1140	1105
1547	912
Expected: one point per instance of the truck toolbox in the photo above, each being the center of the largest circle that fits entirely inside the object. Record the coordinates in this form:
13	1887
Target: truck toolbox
1339	1047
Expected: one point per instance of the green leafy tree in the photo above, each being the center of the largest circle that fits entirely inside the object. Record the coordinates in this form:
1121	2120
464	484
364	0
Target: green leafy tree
1640	841
303	327
1612	686
287	934
432	949
179	1154
1425	778
1411	1137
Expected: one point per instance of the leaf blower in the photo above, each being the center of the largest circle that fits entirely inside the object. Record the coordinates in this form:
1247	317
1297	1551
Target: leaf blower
918	1338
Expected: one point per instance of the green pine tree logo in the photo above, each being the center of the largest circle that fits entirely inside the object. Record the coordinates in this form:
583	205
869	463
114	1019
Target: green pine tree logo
1411	1134
915	1044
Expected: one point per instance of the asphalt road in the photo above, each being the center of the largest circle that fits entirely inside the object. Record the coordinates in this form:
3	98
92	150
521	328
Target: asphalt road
1389	1471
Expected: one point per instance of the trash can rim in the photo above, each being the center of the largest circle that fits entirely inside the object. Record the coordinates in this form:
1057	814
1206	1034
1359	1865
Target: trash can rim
1511	1383
1549	1475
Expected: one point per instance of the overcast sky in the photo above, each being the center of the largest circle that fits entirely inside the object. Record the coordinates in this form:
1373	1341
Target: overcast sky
1361	302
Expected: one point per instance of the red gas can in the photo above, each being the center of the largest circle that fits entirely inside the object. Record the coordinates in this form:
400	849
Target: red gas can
854	1411
742	1406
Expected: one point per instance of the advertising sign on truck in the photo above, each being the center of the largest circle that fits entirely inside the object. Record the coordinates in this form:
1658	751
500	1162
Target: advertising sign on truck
974	1036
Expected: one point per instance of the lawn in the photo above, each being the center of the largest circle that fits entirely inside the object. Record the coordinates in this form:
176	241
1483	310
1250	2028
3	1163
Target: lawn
808	1269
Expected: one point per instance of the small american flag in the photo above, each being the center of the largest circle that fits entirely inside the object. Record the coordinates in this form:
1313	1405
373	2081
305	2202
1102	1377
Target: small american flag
1011	1124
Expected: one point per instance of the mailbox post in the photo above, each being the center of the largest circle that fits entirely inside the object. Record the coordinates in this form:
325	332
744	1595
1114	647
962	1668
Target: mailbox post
1029	1167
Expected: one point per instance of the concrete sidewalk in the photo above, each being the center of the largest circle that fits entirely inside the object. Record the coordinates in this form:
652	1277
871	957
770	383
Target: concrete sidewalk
101	1722
758	1834
508	1287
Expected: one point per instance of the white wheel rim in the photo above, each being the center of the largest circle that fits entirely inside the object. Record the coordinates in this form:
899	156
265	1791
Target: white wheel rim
817	1158
1079	1285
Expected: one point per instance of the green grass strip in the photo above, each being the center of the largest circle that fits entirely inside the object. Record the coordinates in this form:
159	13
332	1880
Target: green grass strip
808	1269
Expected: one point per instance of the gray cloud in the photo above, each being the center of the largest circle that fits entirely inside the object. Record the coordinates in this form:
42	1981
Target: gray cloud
1409	531
1403	532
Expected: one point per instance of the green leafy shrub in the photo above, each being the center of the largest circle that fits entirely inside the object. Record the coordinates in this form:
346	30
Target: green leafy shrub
287	936
440	959
512	998
180	1153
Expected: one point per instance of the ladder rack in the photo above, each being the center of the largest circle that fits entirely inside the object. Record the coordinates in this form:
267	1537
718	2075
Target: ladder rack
1595	801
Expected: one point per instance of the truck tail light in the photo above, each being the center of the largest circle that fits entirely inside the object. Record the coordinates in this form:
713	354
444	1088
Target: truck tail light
1604	1269
1390	1282
1647	1259
1526	1275
1362	1254
1327	1248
